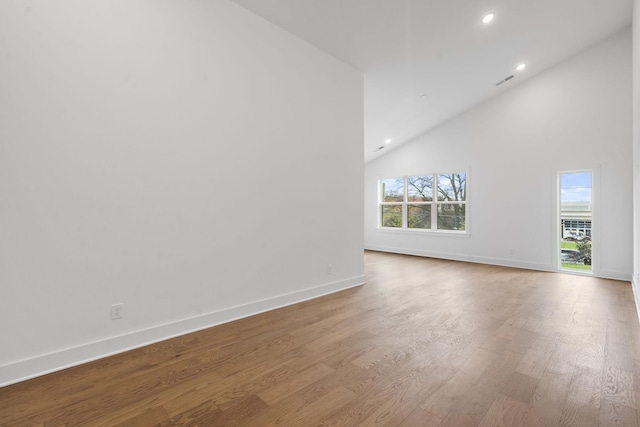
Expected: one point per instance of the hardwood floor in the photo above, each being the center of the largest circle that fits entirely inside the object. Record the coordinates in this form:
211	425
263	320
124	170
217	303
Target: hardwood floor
425	343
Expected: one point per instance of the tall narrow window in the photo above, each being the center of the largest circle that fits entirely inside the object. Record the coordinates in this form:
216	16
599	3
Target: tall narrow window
576	220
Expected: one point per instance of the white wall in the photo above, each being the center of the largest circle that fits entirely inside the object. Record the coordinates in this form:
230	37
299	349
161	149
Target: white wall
186	158
636	150
576	115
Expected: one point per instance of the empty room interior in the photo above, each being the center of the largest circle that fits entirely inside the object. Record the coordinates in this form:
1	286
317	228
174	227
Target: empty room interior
304	212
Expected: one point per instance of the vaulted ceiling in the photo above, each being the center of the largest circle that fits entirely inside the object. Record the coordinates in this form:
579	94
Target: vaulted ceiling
427	61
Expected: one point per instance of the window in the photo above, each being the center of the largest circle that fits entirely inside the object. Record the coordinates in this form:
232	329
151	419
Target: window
576	220
392	201
424	202
419	200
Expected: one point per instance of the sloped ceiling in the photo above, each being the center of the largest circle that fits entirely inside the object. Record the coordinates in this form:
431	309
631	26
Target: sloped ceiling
426	61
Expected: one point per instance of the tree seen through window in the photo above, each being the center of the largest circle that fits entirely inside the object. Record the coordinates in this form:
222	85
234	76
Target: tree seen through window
427	202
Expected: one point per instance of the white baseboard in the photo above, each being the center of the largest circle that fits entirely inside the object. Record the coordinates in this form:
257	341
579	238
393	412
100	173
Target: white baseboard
44	364
462	257
491	261
615	275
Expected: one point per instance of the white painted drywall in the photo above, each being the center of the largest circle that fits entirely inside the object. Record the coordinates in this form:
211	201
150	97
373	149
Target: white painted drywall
185	158
576	115
636	151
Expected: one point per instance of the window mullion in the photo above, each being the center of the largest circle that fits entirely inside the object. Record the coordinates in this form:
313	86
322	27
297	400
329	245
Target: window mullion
434	208
405	206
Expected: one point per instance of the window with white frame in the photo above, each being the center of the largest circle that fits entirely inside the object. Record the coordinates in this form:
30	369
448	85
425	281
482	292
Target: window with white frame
424	202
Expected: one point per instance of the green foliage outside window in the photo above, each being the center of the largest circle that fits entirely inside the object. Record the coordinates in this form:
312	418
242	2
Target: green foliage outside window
392	216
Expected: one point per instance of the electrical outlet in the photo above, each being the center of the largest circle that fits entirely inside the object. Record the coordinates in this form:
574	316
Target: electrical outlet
329	269
117	311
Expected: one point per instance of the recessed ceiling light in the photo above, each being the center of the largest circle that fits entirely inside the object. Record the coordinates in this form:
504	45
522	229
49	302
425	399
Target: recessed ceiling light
387	141
488	18
521	67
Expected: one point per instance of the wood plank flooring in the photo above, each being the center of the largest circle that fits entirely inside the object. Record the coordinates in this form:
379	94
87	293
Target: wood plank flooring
426	342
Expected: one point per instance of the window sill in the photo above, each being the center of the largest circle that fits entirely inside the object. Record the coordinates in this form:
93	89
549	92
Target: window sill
417	232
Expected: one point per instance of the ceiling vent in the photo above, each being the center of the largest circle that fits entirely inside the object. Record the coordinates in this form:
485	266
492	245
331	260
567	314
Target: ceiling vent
506	79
